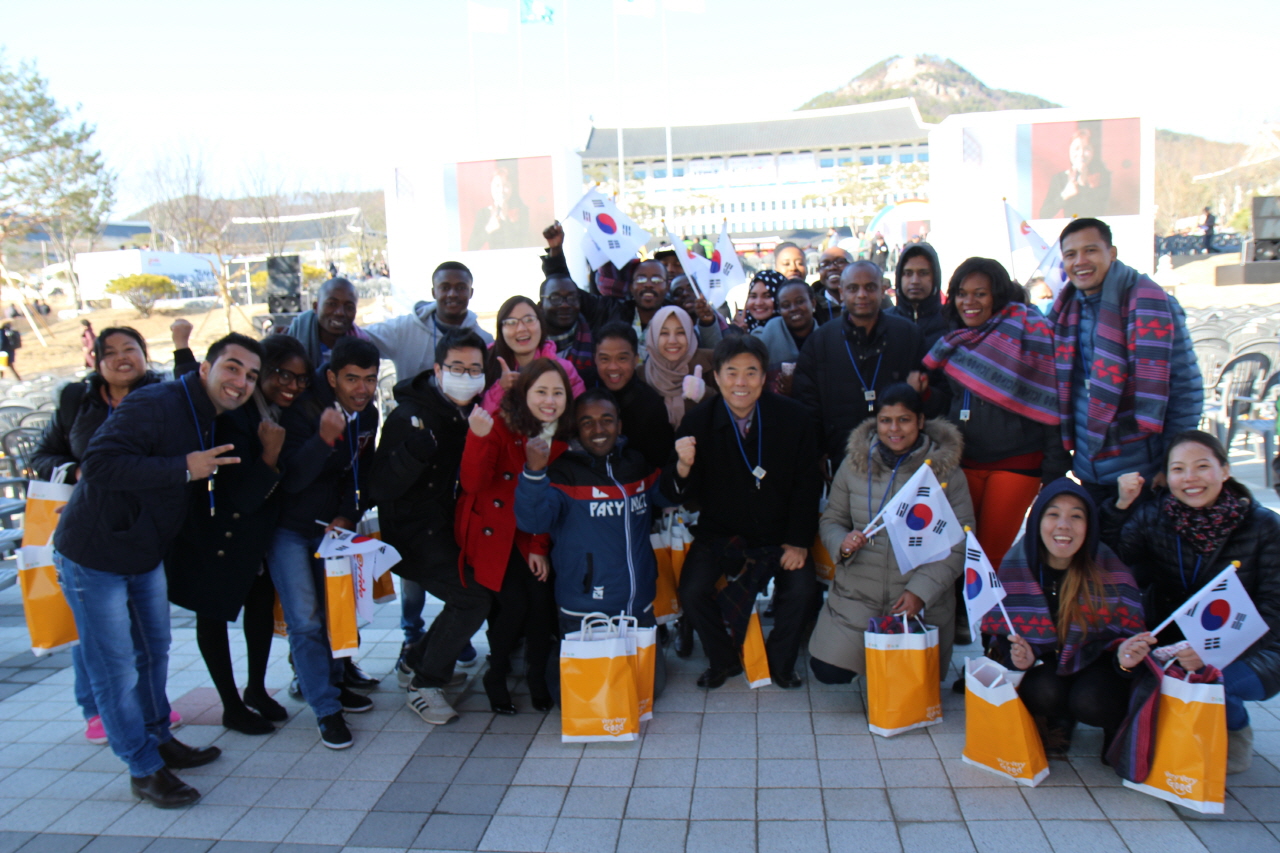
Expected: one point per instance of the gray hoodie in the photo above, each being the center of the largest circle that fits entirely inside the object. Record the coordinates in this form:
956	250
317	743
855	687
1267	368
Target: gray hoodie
410	339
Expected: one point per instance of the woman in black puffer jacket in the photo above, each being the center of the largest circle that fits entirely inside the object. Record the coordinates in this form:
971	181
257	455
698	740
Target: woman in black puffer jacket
1180	539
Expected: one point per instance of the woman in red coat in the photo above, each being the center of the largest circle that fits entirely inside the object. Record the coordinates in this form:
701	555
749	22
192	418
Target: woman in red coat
512	563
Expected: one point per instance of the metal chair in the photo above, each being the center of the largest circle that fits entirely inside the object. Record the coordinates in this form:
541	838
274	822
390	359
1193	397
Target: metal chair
11	414
1261	421
19	448
1211	356
1234	393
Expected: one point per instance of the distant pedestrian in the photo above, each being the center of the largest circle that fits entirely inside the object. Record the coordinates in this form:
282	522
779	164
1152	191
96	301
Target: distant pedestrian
1208	227
10	341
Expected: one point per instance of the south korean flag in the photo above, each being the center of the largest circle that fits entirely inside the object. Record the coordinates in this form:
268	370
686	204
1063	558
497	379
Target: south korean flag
982	588
615	233
725	272
1220	620
921	525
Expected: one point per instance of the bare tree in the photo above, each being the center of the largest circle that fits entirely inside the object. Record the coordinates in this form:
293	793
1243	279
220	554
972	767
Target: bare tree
265	202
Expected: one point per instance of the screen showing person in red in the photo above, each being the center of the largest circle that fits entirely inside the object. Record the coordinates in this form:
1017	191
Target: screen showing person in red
1085	168
500	202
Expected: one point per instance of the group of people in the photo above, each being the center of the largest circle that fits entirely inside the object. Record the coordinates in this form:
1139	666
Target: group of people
520	478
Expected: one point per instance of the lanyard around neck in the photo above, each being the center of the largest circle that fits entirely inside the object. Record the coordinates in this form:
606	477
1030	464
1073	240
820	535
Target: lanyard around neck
757	472
353	439
1182	572
884	499
868	391
200	437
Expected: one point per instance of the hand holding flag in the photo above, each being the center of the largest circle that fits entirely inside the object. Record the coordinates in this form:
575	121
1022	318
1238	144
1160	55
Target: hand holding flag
921	524
982	587
1220	620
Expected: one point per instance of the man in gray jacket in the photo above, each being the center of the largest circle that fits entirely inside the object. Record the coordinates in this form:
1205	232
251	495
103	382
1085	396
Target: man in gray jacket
410	340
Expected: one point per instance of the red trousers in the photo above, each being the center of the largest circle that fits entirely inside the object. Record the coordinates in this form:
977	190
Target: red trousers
1000	502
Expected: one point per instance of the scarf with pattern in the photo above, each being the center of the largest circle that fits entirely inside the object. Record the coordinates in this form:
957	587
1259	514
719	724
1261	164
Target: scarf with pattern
1132	348
1008	361
1118	614
1206	529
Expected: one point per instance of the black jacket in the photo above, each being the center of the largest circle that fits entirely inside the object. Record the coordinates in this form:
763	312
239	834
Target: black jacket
415	476
215	559
132	496
1144	538
644	418
927	315
826	382
784	509
319	481
993	433
81	411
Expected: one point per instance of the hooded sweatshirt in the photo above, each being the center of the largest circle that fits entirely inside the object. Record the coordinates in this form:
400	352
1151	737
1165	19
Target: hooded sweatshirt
927	314
410	339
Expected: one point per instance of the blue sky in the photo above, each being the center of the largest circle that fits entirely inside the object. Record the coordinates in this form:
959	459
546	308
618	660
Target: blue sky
323	94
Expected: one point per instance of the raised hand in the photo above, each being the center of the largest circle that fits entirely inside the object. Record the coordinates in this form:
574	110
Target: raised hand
693	387
508	377
1130	488
203	463
333	423
480	421
180	329
272	437
686	451
554	235
705	315
536	453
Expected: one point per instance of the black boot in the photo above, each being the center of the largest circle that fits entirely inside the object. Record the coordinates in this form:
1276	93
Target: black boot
163	790
495	687
539	693
684	638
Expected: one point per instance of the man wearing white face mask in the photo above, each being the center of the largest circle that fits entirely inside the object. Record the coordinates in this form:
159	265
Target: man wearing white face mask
415	485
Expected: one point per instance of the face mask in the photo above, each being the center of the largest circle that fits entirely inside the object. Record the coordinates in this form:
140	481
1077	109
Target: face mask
462	387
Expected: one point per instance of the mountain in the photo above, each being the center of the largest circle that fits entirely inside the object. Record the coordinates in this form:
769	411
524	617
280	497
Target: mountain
940	86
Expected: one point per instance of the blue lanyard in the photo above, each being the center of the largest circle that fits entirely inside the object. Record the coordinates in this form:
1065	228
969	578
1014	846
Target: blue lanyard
884	499
868	391
200	437
964	407
1195	573
353	438
757	471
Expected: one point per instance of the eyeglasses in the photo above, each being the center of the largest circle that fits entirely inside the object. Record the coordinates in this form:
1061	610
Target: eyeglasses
642	279
834	263
556	300
288	377
526	320
459	370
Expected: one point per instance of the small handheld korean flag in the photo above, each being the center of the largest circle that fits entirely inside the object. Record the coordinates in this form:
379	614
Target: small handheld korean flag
1220	620
695	267
617	235
921	525
982	589
726	271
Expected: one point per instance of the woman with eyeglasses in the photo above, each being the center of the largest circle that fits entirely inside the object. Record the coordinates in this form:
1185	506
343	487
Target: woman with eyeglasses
216	565
521	338
120	354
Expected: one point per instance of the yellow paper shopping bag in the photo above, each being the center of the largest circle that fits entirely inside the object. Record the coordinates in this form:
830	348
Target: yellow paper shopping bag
823	565
49	619
670	543
902	676
642	652
340	607
999	734
755	662
277	613
598	700
44	507
1189	764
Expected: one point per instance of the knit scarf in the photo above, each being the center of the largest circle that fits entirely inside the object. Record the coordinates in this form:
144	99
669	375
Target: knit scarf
1008	361
660	373
1206	529
1118	614
1132	347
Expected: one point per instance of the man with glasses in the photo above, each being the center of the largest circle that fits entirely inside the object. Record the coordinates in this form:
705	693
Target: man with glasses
826	290
410	340
566	327
415	485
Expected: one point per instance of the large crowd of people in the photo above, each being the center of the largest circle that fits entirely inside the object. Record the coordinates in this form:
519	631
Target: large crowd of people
520	476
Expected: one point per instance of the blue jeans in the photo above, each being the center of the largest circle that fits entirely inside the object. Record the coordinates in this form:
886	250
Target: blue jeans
123	621
1240	685
412	599
84	690
299	580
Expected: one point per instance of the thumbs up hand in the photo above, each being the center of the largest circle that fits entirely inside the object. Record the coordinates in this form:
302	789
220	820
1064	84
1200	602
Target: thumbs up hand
508	377
693	387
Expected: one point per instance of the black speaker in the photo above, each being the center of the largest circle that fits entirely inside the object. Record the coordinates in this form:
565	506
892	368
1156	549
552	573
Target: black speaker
284	284
1266	228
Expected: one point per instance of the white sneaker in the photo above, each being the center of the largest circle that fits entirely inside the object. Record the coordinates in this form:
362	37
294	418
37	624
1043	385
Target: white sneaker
429	704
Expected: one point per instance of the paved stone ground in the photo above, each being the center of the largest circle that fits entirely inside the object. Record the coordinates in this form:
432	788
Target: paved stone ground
727	770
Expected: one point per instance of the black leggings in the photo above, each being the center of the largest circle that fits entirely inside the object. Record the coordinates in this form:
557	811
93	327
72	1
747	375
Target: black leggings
829	673
524	607
215	647
1096	695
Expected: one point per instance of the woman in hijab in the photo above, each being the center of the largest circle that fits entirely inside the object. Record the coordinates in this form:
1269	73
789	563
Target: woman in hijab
761	305
676	368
